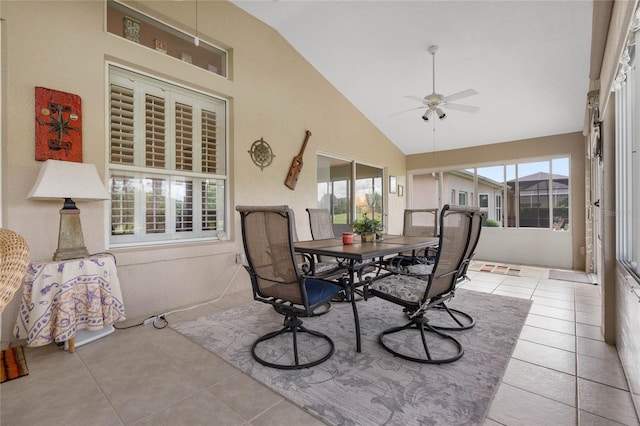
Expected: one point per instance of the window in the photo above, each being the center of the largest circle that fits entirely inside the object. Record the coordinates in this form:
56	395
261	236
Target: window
167	161
165	39
525	195
483	201
628	167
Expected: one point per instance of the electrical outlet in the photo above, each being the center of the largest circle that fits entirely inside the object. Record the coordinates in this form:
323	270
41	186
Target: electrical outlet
240	258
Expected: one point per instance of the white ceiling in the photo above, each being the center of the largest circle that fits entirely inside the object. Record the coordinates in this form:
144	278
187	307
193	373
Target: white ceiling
528	60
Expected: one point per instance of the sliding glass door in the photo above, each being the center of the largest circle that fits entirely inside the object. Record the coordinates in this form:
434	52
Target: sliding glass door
349	190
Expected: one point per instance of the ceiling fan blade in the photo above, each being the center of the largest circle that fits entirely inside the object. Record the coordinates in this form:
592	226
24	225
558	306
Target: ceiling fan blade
415	98
464	108
460	95
407	110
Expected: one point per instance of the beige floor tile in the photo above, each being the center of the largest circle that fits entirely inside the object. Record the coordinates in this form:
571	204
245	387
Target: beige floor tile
511	294
588	419
545	356
483	286
203	408
589	331
69	396
489	277
597	349
553	324
589	318
589	309
551	312
136	398
554	339
602	371
596	301
286	414
527	282
516	407
246	396
515	289
606	401
546	301
542	381
569	297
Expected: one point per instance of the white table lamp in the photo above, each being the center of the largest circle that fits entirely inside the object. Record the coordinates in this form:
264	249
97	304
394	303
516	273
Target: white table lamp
69	180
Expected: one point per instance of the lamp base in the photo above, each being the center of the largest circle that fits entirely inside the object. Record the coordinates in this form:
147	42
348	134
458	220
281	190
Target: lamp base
70	238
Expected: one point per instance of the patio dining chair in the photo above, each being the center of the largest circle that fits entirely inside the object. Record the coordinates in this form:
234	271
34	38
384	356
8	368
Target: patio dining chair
321	226
419	294
417	223
276	279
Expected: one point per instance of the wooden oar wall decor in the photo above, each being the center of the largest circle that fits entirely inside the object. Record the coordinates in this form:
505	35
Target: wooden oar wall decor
296	165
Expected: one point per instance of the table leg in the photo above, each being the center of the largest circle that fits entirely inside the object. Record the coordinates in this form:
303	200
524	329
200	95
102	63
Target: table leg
72	345
352	290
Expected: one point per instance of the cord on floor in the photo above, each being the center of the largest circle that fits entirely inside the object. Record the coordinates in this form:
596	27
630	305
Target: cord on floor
162	317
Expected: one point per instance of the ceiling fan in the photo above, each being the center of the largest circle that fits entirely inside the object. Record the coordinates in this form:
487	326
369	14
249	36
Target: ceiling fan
435	102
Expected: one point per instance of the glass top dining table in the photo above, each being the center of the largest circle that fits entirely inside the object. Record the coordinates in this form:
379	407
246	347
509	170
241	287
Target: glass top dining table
354	255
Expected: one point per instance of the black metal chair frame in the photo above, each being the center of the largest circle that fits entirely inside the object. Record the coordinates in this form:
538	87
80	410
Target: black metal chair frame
436	288
282	277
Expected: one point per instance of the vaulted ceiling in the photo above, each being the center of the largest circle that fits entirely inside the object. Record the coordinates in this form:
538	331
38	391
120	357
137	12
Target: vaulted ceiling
528	61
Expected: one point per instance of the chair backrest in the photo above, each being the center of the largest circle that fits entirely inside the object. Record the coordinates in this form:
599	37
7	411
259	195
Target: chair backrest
267	235
455	230
420	223
476	228
14	260
321	224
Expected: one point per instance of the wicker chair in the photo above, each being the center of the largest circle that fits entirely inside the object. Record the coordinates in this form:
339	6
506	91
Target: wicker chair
267	235
419	294
14	260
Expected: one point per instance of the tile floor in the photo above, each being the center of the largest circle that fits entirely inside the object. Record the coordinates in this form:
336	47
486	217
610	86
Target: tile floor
561	372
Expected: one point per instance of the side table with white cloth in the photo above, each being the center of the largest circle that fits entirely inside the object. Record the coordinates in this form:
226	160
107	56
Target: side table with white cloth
65	299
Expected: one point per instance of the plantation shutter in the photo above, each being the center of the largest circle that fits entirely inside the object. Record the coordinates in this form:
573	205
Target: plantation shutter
209	143
122	141
184	137
155	124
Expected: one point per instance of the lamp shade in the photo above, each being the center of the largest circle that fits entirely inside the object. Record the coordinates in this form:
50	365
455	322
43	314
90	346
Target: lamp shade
67	179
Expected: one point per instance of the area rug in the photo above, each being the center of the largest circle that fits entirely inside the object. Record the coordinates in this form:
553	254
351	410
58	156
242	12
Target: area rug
573	276
12	364
373	387
496	268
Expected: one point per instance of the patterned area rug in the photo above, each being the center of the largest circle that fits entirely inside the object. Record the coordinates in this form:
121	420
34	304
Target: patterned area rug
373	387
12	364
496	268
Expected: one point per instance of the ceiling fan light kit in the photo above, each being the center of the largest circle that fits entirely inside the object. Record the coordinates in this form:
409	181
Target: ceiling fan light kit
435	102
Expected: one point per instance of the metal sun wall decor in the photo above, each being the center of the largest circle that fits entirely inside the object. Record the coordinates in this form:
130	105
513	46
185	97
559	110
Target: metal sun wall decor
58	125
261	153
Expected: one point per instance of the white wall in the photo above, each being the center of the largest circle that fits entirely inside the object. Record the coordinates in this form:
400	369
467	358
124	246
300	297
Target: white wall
535	247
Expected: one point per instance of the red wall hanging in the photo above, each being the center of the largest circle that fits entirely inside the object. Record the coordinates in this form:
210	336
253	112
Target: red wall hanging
58	125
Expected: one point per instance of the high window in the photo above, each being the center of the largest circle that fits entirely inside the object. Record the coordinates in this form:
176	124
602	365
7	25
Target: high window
167	161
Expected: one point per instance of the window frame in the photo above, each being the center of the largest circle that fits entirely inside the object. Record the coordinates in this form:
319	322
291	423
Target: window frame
170	173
